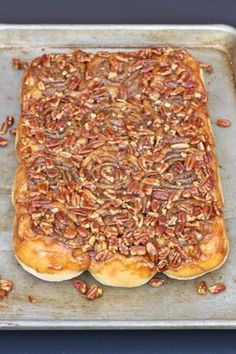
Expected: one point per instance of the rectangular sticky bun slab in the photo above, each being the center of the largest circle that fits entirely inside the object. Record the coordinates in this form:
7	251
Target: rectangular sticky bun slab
117	172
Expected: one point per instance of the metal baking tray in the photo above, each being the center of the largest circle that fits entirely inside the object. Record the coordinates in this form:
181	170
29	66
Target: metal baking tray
177	304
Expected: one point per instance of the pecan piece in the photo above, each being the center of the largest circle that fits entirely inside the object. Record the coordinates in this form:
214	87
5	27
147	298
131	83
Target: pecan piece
217	288
180	146
13	131
10	121
223	123
189	162
155	205
202	288
4	127
70	232
138	250
94	292
31	299
5	287
3	293
156	282
46	227
151	251
161	194
3	141
208	68
80	286
19	64
177	91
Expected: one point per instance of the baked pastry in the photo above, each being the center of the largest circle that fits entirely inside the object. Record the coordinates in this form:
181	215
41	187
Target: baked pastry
117	172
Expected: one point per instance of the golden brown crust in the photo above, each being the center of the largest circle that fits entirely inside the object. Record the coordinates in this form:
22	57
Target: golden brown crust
150	110
50	277
123	271
44	255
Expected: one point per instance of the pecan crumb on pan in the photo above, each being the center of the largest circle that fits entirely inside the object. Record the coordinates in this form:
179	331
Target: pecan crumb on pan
3	128
208	68
12	131
80	286
223	123
8	122
217	288
32	299
5	287
202	288
3	141
3	293
19	64
94	292
156	282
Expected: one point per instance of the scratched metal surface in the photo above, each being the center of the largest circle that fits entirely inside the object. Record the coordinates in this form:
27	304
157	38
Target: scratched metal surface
175	305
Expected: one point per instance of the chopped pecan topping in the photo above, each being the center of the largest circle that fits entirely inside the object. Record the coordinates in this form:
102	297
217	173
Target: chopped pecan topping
118	155
202	288
223	123
217	288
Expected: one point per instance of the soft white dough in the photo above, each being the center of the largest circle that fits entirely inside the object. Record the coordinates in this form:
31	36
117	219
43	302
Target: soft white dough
60	276
103	281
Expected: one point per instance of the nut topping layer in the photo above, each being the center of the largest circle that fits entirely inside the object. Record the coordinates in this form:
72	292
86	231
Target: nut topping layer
118	155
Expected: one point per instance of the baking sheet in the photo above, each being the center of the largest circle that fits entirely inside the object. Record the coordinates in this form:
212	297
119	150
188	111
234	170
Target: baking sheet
176	305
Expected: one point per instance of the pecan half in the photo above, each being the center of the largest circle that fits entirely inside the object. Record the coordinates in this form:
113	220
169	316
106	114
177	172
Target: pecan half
223	123
202	288
3	141
19	64
208	68
152	251
32	299
138	250
94	292
80	286
3	128
6	286
217	288
13	131
10	121
3	293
